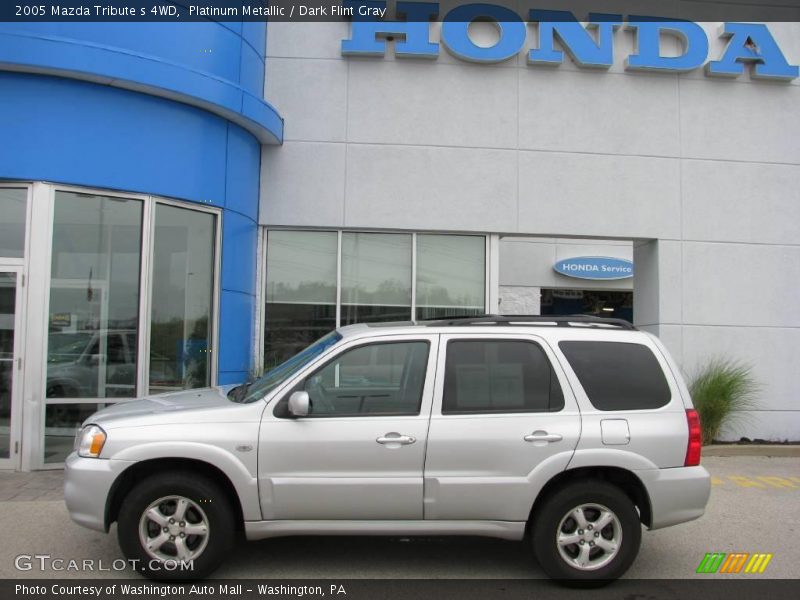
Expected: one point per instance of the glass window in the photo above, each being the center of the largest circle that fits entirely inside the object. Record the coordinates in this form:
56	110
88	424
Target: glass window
376	277
617	375
94	297
375	379
8	300
492	376
61	424
377	270
600	303
183	299
12	221
300	290
451	276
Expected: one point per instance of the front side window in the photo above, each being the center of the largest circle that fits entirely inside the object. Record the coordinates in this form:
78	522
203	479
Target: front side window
375	379
499	376
618	376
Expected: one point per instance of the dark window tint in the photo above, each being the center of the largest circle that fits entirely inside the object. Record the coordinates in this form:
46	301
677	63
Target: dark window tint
490	376
618	376
375	379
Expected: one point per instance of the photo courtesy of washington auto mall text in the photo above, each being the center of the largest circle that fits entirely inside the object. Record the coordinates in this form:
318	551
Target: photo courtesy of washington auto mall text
152	590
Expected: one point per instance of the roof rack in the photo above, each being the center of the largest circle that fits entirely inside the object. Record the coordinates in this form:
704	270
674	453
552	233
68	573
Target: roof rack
532	320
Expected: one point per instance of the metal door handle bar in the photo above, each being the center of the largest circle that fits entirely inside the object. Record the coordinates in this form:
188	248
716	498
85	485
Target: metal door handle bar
399	439
543	436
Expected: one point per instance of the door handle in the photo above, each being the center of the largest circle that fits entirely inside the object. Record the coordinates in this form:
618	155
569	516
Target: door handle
543	436
396	438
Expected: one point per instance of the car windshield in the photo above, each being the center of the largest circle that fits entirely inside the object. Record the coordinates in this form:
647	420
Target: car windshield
257	389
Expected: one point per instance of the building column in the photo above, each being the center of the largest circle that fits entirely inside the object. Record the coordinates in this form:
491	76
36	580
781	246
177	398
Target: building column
658	291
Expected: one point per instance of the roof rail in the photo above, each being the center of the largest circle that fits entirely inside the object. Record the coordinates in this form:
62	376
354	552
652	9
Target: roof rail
532	320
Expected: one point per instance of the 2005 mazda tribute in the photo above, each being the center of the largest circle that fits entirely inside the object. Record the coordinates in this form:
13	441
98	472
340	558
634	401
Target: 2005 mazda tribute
572	432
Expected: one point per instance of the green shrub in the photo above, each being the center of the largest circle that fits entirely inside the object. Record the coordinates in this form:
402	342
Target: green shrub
721	389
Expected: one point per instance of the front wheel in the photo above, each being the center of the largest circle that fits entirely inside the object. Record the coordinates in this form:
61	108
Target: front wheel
175	527
586	533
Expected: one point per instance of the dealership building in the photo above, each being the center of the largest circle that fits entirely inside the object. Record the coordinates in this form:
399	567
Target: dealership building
184	205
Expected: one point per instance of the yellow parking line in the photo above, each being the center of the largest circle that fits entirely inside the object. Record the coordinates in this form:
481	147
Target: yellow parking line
762	482
778	482
745	482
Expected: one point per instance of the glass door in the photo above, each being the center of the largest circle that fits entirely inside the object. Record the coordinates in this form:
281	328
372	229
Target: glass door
9	367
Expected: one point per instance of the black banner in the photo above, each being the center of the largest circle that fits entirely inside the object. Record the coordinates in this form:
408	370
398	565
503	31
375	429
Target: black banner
335	10
396	589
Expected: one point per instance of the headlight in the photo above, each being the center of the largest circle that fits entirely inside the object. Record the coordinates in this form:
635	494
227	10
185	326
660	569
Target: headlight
89	442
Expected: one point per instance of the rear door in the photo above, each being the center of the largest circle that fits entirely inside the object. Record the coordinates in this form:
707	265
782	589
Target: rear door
503	422
629	401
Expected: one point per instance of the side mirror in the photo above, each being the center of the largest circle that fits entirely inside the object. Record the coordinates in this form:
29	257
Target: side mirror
299	404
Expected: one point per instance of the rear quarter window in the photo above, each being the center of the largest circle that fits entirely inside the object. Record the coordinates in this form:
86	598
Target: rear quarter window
618	375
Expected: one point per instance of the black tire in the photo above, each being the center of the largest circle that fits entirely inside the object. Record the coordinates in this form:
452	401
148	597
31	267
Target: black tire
207	496
547	522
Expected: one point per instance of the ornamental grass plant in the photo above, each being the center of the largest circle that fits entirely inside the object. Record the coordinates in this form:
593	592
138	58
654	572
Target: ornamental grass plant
723	390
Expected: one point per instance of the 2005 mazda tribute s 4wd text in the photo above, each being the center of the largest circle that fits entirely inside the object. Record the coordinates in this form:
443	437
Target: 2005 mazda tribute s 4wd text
569	431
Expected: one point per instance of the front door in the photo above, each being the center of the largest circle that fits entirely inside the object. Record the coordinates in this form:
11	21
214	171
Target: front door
10	363
360	452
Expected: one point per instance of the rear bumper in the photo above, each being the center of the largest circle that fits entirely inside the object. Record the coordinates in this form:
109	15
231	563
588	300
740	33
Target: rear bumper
87	483
676	495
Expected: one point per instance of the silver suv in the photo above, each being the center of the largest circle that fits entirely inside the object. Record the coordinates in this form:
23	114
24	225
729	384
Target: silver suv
571	432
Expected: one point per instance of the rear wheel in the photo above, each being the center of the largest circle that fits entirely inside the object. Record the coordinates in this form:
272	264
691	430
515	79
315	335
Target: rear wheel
586	533
172	526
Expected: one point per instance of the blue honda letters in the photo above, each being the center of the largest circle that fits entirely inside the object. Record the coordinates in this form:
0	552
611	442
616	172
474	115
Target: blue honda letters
589	45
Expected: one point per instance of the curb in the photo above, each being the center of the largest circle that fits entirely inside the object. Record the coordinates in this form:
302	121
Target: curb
776	450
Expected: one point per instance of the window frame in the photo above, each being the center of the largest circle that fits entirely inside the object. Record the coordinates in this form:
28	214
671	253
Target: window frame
280	412
44	197
213	342
555	367
490	281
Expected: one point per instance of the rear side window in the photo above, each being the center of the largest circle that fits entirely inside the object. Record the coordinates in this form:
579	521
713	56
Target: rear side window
499	376
618	376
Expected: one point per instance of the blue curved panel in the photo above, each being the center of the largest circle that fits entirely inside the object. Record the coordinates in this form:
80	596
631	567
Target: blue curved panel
76	132
216	66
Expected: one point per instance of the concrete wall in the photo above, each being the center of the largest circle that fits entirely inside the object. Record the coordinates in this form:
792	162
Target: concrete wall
708	167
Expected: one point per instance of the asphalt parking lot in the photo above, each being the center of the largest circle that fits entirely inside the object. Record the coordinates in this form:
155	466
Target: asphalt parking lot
754	507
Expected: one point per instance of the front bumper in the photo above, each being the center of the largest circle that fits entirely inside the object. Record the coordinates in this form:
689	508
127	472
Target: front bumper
87	483
676	495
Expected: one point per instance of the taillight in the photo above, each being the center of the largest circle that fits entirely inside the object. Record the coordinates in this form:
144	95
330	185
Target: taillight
695	439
